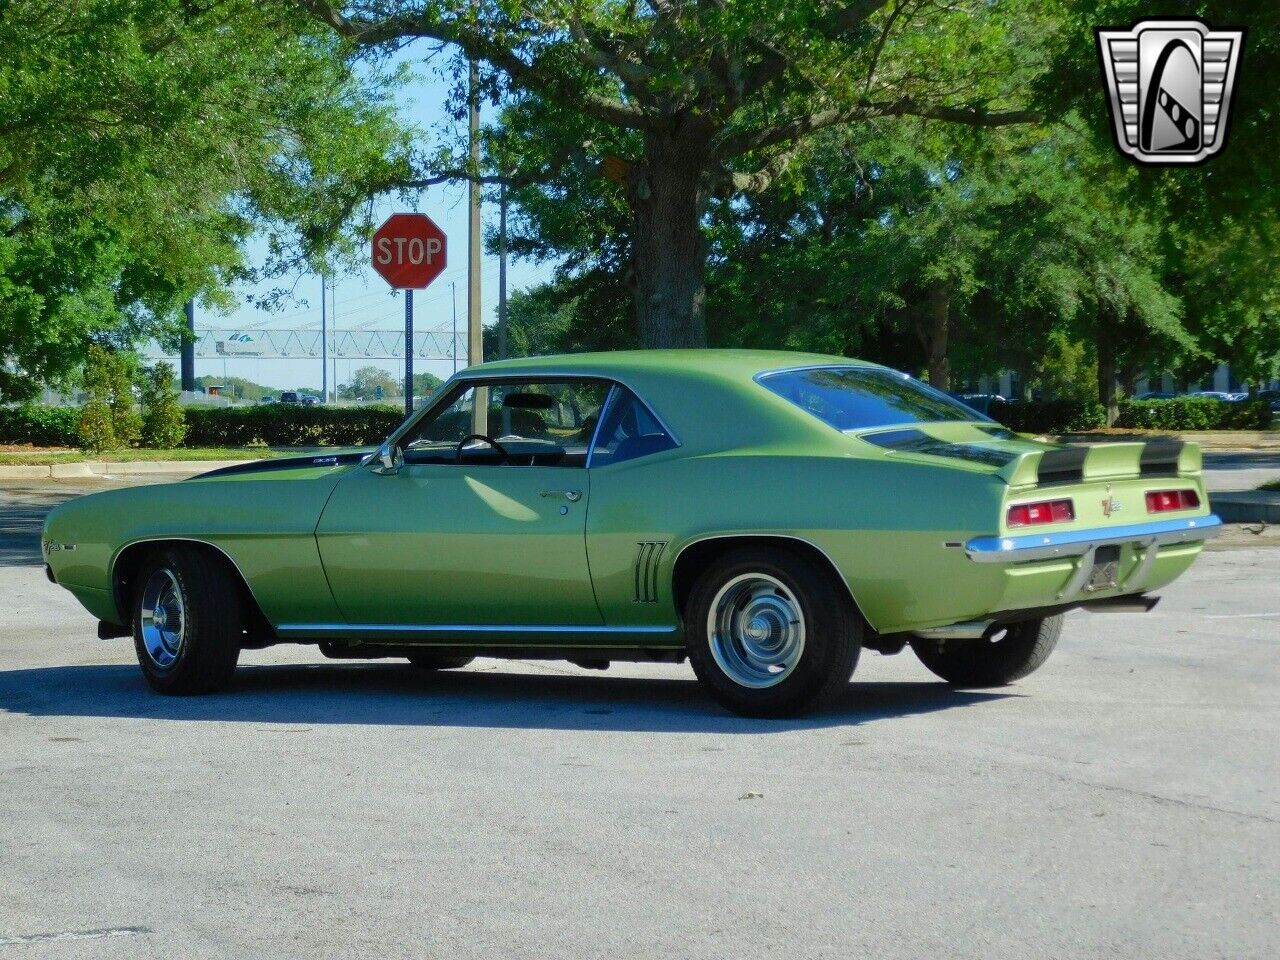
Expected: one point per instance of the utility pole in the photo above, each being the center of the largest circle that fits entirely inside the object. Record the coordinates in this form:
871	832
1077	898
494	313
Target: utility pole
333	325
188	356
324	339
453	350
502	271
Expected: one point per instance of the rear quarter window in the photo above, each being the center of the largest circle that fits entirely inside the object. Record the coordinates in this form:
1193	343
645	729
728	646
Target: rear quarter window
858	398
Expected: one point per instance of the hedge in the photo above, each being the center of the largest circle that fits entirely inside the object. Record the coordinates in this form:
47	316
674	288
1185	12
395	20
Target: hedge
276	426
40	426
1048	416
1194	413
290	426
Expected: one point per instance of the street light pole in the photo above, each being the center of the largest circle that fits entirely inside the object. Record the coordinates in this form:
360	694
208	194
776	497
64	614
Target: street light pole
324	339
502	272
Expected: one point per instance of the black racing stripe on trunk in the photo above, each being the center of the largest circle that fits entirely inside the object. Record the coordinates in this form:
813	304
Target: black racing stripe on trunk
286	463
1160	458
1062	466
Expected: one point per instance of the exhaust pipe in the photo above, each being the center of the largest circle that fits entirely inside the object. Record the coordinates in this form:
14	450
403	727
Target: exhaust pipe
969	630
1139	603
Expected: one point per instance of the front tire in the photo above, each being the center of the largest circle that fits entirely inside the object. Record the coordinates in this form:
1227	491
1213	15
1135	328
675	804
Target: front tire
771	633
1009	654
187	621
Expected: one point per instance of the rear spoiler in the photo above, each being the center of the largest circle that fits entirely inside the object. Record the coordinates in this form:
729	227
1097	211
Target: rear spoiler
1103	461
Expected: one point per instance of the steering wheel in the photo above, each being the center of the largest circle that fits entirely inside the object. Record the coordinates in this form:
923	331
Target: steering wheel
457	454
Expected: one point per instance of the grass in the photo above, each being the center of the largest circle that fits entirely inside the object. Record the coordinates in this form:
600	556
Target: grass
1273	485
38	457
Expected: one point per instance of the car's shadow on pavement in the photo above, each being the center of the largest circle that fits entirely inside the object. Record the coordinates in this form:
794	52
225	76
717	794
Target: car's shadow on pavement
385	694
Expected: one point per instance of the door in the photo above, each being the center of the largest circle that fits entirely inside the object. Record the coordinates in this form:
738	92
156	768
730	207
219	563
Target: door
477	527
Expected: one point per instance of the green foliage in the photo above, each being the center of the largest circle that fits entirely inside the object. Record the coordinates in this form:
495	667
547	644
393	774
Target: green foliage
96	426
365	382
95	429
40	426
291	425
163	423
1049	416
1194	413
126	422
140	146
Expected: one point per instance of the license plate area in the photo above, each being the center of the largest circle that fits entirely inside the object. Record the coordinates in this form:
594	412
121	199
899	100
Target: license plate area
1105	573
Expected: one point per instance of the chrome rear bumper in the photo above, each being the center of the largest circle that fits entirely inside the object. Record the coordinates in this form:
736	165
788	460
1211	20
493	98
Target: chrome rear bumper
1077	543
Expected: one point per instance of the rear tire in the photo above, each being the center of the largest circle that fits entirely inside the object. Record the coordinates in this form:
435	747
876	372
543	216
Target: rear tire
431	662
771	633
1018	651
187	621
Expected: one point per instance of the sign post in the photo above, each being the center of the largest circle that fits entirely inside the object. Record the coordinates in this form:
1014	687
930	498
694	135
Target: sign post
408	352
409	251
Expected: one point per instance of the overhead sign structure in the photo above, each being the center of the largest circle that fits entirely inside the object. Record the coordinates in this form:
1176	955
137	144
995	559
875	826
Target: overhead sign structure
409	251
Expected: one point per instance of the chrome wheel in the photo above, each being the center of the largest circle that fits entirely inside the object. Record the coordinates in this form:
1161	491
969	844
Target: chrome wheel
756	629
164	618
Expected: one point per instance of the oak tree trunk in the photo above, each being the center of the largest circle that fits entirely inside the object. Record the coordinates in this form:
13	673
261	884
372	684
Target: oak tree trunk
1107	369
669	252
933	326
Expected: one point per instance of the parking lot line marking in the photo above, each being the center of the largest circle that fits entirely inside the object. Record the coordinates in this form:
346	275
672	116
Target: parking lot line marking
73	935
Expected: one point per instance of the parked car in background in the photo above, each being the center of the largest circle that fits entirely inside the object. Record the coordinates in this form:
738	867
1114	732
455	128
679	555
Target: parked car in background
290	397
766	515
1156	395
980	402
310	401
267	398
1218	395
1272	398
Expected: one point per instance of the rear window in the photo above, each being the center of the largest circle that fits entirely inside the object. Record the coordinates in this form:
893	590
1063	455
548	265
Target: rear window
855	398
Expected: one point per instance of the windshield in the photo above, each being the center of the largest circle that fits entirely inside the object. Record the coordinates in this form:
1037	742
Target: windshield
855	398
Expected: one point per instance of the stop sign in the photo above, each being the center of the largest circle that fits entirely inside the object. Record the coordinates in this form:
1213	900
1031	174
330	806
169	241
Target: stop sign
409	250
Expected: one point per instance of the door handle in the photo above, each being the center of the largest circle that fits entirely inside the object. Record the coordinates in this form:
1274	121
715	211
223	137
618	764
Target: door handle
573	496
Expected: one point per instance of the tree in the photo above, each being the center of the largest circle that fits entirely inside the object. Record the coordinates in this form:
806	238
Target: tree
95	426
707	100
142	143
366	381
164	424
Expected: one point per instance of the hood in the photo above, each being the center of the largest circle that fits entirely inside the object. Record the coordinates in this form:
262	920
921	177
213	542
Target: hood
337	458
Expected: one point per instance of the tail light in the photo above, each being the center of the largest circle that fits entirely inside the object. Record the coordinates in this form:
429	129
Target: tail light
1159	501
1046	511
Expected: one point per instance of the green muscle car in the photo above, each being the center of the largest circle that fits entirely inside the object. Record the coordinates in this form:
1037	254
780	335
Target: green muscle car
767	515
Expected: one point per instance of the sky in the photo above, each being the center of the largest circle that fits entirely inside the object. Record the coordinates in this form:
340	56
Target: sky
363	299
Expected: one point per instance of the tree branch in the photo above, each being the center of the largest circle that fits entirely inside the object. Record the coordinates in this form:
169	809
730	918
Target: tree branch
800	127
533	76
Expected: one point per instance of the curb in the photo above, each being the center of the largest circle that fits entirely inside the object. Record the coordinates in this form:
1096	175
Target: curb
100	469
1247	506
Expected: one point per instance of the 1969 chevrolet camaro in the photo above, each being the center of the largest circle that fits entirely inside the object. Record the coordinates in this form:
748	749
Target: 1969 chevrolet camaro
767	515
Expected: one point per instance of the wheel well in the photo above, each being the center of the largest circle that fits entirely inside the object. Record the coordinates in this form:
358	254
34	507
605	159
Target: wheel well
699	555
124	577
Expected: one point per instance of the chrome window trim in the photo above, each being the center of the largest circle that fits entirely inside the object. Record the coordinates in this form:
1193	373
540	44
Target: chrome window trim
600	419
463	377
1075	543
653	413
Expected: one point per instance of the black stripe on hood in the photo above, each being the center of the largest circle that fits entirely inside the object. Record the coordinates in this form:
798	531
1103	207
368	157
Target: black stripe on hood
288	463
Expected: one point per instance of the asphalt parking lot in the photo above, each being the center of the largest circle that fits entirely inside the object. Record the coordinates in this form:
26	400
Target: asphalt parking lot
1124	801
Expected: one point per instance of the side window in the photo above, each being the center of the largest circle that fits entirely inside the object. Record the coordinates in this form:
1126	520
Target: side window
534	423
629	431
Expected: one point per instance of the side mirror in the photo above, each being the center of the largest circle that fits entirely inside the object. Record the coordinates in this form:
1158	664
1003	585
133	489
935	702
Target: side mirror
390	459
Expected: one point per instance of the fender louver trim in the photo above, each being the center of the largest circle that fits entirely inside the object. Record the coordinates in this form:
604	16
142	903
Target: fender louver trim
646	570
1062	466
